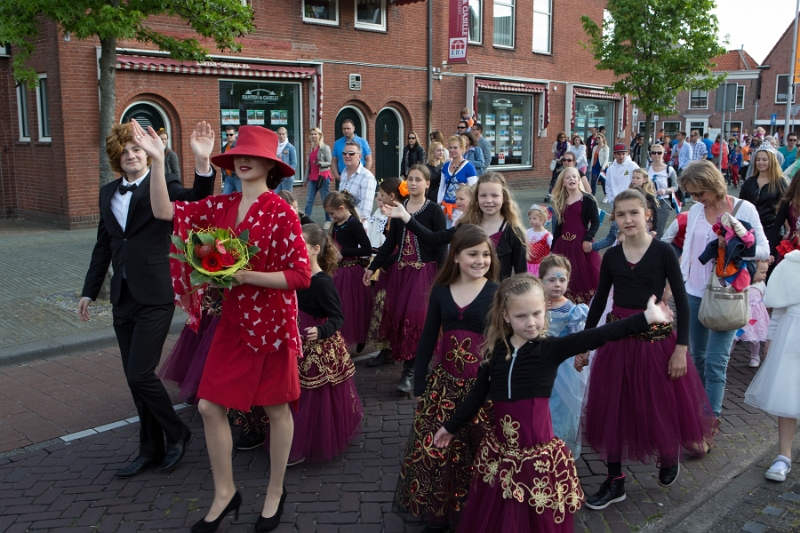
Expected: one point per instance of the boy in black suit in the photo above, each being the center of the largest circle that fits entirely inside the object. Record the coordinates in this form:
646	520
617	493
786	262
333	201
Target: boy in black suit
138	244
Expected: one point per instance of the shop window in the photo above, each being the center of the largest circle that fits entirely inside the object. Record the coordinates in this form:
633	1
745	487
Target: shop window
43	109
267	104
476	21
504	23
5	50
740	97
507	120
698	99
782	89
22	111
591	113
542	26
321	11
671	127
371	14
733	129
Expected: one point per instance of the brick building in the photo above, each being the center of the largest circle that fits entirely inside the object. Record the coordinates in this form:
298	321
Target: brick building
775	85
312	62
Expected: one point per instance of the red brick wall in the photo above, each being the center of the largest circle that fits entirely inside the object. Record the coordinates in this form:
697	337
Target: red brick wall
779	62
8	134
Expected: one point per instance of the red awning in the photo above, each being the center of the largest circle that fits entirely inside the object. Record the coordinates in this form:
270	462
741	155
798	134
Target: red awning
404	2
516	87
596	93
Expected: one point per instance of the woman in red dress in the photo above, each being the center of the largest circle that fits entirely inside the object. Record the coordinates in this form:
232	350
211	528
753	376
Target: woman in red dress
253	356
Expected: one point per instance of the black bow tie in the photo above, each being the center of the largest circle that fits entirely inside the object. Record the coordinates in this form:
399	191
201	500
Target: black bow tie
123	189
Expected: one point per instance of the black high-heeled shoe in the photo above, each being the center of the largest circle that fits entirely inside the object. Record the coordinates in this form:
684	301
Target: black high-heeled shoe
210	527
268	524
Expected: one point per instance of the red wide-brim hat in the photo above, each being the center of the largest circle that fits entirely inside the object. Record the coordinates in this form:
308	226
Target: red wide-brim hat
254	141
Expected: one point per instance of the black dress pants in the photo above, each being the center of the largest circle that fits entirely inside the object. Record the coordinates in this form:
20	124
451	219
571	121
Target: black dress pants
141	331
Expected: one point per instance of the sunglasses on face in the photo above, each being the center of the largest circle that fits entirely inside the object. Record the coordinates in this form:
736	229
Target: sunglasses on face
461	127
567	160
349	153
656	153
230	134
412	138
791	140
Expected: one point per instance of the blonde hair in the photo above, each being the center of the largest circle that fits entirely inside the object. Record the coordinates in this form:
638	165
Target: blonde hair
321	141
541	210
498	329
601	139
431	155
775	178
704	176
647	186
560	194
121	134
465	187
509	209
462	142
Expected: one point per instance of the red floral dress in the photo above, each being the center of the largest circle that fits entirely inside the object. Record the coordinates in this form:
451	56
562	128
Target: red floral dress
253	356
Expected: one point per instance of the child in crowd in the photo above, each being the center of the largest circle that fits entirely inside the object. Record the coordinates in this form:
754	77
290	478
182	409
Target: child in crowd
525	479
539	239
292	201
774	389
463	197
640	180
434	484
354	252
564	318
735	164
645	398
755	331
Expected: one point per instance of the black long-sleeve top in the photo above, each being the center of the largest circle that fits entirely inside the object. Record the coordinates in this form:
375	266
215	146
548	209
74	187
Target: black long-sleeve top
766	201
352	238
511	251
531	370
321	300
443	314
633	286
429	217
589	216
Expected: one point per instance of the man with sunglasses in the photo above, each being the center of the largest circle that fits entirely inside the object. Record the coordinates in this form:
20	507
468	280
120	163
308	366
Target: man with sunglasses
699	150
789	151
230	183
357	179
348	135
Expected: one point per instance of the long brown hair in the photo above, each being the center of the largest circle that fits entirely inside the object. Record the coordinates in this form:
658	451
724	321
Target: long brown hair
792	194
392	186
466	236
775	179
336	200
497	328
560	194
316	236
509	210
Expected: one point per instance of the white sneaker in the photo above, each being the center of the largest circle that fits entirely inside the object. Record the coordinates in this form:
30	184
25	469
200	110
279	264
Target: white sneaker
327	225
755	362
780	467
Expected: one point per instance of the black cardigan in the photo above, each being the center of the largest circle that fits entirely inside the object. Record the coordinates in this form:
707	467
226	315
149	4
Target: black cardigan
532	372
321	300
774	235
766	202
352	238
511	252
411	157
429	217
589	216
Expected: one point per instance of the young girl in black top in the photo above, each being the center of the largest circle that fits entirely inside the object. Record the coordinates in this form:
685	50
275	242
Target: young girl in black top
355	250
645	396
492	208
525	479
410	276
433	484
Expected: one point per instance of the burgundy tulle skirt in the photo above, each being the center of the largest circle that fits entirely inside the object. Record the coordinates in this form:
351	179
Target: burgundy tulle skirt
585	270
635	411
185	363
525	478
406	305
376	337
357	302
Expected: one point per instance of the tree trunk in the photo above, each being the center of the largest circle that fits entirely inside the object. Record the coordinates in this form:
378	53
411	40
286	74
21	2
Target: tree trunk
108	104
645	153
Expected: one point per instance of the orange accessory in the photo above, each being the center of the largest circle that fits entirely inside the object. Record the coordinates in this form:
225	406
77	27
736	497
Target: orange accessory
448	209
403	188
723	270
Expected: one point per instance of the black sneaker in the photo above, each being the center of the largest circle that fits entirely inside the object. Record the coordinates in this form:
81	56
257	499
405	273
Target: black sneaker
249	441
406	384
668	474
384	357
611	491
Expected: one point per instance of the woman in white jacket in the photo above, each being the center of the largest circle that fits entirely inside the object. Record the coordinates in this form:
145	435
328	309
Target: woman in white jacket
600	155
710	349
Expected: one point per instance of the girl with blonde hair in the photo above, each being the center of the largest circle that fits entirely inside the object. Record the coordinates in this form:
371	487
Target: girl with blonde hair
318	171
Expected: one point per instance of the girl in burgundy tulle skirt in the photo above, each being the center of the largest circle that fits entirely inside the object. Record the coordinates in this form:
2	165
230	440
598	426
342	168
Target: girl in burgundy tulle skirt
433	483
645	400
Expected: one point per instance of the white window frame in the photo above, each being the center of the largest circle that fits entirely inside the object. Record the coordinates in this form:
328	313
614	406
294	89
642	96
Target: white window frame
691	97
479	40
22	112
5	50
510	4
788	88
324	22
744	91
549	15
368	25
43	109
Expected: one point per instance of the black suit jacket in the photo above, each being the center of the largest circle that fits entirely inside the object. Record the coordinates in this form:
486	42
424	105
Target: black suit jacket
143	248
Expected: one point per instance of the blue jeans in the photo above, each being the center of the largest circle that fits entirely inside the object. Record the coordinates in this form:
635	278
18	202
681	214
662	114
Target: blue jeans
711	353
286	184
231	184
595	178
320	185
608	240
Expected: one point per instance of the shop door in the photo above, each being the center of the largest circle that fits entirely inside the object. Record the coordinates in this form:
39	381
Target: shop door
345	113
387	146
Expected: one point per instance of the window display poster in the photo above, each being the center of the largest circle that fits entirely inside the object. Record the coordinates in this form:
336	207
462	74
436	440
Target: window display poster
255	116
279	117
489	135
504	120
230	117
503	135
518	134
518	120
489	120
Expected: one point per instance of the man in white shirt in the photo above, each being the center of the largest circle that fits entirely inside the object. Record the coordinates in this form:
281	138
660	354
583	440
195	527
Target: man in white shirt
618	178
357	180
699	150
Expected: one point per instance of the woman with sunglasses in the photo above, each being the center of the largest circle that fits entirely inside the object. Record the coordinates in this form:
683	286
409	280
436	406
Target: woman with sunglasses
413	153
665	180
318	171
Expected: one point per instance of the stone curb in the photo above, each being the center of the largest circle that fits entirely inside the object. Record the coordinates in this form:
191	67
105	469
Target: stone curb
79	342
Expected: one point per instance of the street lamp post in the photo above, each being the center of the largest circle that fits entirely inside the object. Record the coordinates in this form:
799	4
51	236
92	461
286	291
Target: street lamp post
792	71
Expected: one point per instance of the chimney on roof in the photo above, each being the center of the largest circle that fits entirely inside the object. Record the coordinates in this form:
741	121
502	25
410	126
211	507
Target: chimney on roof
744	59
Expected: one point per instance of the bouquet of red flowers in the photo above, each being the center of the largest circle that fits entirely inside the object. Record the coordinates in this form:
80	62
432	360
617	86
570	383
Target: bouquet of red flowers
788	245
214	255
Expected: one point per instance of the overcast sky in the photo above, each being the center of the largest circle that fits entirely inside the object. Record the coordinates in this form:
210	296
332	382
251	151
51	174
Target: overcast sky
756	25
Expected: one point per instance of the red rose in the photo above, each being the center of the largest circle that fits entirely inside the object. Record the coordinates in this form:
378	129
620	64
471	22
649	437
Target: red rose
227	260
212	262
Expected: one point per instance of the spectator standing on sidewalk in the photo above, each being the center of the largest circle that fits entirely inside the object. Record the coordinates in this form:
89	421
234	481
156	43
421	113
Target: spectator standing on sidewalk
484	145
138	244
618	178
171	163
357	180
318	172
230	183
413	153
287	154
349	135
699	149
707	143
789	151
682	153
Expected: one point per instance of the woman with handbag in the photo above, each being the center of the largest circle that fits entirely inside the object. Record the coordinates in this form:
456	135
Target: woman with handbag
318	172
710	348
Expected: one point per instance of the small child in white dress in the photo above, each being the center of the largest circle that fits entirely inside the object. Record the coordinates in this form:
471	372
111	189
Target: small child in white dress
755	331
775	389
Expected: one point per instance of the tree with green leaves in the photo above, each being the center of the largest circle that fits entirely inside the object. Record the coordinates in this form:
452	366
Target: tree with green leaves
656	48
223	21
